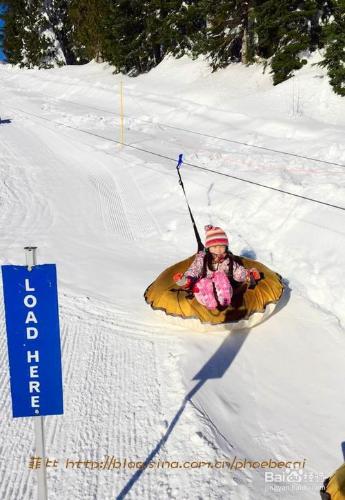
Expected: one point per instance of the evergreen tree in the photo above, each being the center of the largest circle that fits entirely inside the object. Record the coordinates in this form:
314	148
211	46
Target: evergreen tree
284	31
133	35
229	34
27	36
38	33
14	18
90	22
24	42
267	27
140	33
324	10
334	38
155	13
184	27
124	44
57	12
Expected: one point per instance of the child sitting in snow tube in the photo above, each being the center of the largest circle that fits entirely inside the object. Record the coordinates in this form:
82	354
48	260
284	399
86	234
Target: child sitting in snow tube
216	287
215	273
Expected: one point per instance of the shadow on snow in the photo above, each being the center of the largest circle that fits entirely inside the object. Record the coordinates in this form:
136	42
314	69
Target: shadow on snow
214	368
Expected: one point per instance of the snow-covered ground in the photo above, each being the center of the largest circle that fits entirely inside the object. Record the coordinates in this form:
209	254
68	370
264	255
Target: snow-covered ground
113	217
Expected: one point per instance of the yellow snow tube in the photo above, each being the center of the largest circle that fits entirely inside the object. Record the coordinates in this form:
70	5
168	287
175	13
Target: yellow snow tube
248	307
336	485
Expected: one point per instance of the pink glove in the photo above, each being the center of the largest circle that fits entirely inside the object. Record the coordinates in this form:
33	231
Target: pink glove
177	277
181	280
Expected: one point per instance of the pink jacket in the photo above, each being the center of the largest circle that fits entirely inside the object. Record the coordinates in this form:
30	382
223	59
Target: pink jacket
195	269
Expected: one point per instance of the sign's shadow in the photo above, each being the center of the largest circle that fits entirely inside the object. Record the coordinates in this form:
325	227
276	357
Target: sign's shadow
214	368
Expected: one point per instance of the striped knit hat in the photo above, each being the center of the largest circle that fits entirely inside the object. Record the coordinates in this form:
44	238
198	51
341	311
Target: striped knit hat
215	236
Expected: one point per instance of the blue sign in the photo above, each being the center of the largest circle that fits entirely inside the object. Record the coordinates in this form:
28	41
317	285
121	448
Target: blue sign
33	339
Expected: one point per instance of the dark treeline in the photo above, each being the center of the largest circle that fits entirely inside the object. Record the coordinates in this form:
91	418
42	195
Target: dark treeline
135	35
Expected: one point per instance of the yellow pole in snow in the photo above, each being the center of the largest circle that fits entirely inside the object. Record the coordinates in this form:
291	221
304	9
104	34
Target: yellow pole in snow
122	130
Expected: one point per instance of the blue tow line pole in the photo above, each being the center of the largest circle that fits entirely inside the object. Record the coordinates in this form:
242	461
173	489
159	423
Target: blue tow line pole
197	235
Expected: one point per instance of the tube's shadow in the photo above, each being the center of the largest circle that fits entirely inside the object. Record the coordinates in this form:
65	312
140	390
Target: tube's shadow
285	297
6	120
214	368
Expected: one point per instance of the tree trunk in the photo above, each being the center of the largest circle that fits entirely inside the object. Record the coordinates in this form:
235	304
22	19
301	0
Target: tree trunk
244	51
247	51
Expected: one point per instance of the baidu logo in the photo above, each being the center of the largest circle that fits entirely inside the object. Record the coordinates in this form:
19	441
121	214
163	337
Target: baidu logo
288	476
296	480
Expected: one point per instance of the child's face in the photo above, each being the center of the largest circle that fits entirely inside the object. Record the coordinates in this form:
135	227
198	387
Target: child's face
218	249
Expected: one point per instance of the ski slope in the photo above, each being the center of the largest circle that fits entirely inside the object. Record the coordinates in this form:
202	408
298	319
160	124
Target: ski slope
112	217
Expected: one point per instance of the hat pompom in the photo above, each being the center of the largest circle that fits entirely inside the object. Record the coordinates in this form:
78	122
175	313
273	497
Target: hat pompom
215	236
